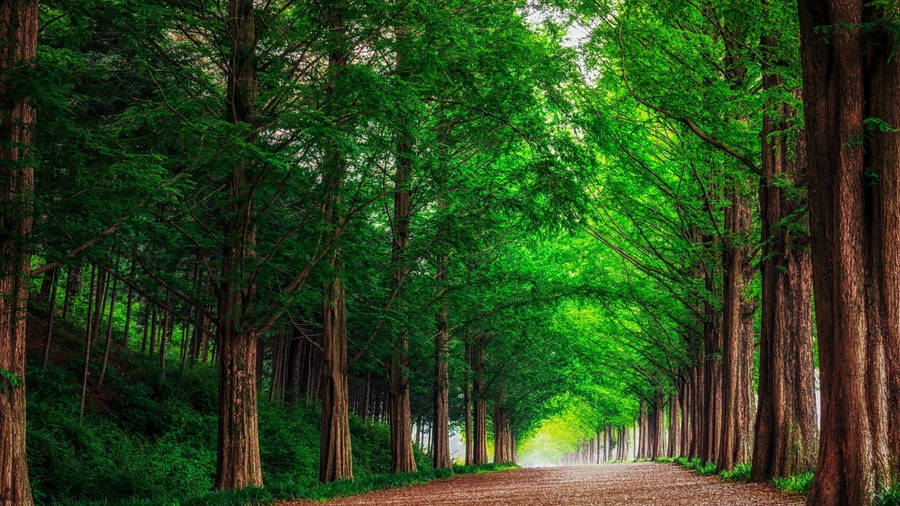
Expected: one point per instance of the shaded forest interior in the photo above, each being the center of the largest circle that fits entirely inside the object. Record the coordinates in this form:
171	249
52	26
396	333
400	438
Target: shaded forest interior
263	250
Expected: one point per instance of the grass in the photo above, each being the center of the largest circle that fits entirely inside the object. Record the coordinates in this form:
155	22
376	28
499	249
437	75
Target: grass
797	484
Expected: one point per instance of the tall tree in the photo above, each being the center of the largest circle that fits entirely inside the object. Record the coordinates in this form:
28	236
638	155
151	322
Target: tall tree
238	464
786	434
335	457
18	50
851	96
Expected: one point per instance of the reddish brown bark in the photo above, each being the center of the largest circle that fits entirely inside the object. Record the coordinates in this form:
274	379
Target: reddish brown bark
672	449
786	435
851	90
18	48
737	337
504	442
402	459
335	456
238	462
441	418
479	435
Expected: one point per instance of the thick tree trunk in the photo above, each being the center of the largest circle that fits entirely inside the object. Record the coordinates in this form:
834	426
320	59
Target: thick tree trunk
333	385
711	381
851	91
786	435
672	449
335	458
402	459
18	48
737	338
238	462
503	437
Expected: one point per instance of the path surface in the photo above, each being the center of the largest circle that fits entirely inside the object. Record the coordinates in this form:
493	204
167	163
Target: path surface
613	484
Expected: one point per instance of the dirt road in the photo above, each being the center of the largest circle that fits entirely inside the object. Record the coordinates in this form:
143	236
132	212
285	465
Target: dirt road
613	484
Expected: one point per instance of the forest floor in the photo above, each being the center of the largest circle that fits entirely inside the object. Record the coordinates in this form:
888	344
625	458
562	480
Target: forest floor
613	484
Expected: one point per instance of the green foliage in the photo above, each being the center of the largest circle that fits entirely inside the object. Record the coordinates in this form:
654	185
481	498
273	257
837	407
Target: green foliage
697	465
485	468
888	496
8	380
156	440
741	472
797	484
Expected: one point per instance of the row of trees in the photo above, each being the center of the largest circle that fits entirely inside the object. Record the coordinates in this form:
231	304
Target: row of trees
347	202
753	147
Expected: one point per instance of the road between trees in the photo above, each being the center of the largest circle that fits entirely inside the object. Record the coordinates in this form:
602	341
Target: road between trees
613	484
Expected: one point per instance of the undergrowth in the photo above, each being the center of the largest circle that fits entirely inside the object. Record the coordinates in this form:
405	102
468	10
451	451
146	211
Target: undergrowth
889	496
797	484
149	440
741	472
695	464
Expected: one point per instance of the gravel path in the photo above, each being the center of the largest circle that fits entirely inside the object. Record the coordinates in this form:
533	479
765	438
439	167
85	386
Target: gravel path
613	484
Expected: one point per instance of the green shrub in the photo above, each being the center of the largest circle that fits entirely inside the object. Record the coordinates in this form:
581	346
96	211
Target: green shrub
889	496
797	484
741	472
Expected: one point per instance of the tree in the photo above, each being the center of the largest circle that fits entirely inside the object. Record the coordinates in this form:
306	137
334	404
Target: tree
852	109
18	50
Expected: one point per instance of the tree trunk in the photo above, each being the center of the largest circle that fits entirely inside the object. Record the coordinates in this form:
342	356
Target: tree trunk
51	313
467	401
851	92
238	463
401	444
129	300
88	334
335	457
295	368
73	286
109	329
786	435
18	48
479	444
441	420
734	442
712	388
164	335
672	449
503	439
